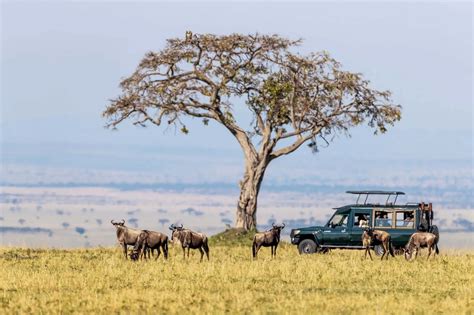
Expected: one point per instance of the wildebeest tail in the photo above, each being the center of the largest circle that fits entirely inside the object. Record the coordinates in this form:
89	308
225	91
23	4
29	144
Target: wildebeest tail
165	248
434	229
390	247
254	249
205	245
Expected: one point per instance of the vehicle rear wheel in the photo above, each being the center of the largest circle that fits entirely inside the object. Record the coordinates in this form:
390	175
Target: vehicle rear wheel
378	249
307	247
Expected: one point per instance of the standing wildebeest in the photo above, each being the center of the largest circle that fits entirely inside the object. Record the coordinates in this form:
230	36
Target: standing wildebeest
125	235
266	239
376	237
150	240
190	240
420	240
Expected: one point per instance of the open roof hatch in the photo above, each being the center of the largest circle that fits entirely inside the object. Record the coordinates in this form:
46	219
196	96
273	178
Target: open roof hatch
375	192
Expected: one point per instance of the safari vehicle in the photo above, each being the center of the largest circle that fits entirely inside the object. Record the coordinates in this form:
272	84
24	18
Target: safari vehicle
344	229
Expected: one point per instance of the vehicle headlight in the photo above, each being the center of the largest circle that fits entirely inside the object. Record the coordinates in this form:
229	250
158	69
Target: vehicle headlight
296	232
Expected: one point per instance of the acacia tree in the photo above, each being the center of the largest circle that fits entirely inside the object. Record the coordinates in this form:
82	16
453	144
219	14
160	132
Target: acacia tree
292	99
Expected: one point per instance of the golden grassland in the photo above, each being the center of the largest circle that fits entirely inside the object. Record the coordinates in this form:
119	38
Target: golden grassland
100	280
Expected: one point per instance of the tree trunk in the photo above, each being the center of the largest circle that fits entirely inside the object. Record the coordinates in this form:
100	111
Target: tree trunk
249	189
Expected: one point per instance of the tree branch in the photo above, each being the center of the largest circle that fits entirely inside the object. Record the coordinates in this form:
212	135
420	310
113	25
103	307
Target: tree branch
291	148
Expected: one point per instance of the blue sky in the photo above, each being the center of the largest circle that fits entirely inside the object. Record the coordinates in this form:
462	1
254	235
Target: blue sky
61	62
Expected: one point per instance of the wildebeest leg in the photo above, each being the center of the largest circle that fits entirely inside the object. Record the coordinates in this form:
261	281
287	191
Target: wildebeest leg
188	251
202	253
272	250
387	250
165	250
416	251
184	253
256	250
384	251
158	253
275	250
429	252
125	250
367	250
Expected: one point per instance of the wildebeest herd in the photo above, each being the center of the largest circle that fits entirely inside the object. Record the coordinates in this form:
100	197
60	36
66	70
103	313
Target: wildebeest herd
417	241
144	242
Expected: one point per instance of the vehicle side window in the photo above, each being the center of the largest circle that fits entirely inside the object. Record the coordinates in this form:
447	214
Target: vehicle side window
383	219
405	219
339	220
361	220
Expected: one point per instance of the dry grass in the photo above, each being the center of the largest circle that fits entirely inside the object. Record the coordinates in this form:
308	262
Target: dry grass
101	281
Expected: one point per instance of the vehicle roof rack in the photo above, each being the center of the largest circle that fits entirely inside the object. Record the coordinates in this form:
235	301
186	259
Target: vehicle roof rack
375	192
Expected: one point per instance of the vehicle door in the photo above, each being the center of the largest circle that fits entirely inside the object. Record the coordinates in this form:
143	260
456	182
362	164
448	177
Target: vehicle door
404	226
336	232
361	219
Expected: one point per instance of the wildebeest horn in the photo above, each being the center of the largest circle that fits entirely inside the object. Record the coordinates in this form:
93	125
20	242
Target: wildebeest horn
273	224
283	225
112	221
181	226
123	221
171	227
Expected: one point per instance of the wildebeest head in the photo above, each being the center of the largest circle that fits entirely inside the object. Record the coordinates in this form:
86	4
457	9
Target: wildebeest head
407	253
118	223
369	231
278	227
134	255
175	231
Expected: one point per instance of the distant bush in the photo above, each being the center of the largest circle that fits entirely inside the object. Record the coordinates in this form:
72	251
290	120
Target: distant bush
80	230
192	211
163	221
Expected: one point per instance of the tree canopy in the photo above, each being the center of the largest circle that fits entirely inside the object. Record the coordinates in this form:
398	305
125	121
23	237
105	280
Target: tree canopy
292	98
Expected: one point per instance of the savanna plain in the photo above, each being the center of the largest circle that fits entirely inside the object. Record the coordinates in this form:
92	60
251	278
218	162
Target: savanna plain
100	280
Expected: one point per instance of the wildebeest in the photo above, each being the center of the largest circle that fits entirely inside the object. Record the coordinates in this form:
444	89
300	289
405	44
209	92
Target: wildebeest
190	240
376	237
148	241
125	235
268	238
420	240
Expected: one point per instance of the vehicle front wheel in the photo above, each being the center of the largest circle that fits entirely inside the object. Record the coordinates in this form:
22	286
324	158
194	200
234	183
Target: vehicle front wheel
307	247
378	249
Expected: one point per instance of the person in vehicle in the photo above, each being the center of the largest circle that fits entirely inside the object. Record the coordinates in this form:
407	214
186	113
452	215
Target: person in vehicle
362	221
408	220
381	219
385	220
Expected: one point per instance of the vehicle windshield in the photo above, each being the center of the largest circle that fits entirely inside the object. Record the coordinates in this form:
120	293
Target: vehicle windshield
338	220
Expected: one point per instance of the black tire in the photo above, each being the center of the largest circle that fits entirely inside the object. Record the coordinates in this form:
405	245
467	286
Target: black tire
307	247
378	249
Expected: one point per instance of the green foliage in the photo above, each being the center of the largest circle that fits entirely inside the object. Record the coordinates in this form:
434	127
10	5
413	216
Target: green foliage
184	130
100	280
